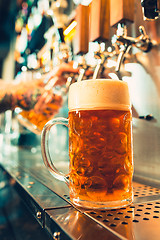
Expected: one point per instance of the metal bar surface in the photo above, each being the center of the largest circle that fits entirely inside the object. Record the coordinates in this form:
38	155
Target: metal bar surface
48	200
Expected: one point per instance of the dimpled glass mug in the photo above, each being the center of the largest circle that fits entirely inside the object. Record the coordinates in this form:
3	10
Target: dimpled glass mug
100	144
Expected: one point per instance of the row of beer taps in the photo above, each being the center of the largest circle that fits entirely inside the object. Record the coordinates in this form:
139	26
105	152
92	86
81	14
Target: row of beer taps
122	44
120	49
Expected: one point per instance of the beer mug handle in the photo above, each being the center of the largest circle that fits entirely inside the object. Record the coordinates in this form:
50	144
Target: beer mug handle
45	148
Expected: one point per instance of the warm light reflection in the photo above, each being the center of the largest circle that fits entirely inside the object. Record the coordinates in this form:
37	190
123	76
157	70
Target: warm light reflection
83	2
70	28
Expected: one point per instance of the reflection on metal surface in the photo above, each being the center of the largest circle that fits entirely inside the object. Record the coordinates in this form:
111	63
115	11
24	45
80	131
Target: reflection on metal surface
39	215
56	235
77	225
146	149
135	222
15	220
141	190
141	193
125	223
48	201
31	182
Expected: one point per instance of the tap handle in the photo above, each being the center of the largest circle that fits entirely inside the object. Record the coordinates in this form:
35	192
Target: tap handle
124	49
119	61
150	9
99	20
121	11
102	57
81	39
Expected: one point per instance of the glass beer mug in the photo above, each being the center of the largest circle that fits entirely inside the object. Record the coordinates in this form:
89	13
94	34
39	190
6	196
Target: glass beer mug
39	105
100	144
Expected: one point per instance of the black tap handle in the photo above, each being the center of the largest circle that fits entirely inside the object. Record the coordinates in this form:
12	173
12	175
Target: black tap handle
150	8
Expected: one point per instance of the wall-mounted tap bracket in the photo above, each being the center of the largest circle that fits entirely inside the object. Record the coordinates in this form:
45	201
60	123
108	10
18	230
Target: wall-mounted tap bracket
101	57
142	42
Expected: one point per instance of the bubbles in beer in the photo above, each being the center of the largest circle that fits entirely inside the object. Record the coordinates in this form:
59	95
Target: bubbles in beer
96	188
121	143
75	143
128	165
121	182
82	127
107	166
127	122
82	166
114	124
109	140
75	184
100	155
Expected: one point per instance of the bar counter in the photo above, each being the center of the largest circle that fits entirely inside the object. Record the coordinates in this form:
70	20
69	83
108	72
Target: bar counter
47	200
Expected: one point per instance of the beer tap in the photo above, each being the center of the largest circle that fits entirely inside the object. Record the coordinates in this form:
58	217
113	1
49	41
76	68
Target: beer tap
83	67
99	32
106	62
151	9
122	48
142	42
121	16
81	40
101	57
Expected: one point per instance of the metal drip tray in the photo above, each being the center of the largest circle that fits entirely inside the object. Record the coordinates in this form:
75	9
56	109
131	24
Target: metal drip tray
141	190
141	220
48	201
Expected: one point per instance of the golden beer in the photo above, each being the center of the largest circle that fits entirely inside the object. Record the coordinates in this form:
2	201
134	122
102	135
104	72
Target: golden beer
100	150
100	144
36	119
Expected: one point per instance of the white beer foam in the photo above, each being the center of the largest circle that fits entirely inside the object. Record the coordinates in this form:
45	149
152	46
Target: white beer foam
99	94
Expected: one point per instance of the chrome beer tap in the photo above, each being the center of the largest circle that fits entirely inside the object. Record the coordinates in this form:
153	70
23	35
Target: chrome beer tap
99	55
102	57
103	60
83	67
142	42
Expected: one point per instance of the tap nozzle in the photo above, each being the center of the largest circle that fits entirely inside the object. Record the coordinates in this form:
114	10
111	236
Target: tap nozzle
83	68
142	42
102	57
123	50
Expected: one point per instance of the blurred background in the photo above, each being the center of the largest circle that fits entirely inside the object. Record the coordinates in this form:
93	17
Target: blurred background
122	42
118	39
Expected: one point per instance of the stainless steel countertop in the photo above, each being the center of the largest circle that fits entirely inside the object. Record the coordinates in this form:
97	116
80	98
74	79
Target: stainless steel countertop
48	200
